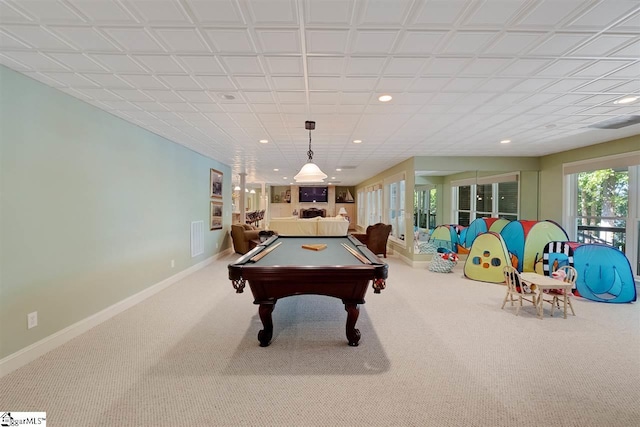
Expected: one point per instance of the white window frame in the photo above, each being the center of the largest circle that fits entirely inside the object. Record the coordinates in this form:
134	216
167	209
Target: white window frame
399	223
570	207
494	180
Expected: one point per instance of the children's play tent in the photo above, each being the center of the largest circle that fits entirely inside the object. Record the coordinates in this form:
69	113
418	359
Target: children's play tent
479	226
446	236
487	258
527	240
604	273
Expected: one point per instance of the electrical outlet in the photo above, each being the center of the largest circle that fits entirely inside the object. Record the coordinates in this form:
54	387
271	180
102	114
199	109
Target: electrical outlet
32	320
173	263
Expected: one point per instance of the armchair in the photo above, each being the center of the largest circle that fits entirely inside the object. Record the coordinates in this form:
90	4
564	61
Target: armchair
241	235
376	238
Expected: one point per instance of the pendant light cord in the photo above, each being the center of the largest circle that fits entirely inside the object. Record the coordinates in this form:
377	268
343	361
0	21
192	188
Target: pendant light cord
310	153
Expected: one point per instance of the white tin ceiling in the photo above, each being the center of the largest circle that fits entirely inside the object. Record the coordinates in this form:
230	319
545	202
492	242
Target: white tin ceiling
464	74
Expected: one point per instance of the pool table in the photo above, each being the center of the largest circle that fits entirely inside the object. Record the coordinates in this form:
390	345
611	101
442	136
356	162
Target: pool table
280	267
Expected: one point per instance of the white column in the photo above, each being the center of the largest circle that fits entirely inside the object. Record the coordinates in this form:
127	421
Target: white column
242	197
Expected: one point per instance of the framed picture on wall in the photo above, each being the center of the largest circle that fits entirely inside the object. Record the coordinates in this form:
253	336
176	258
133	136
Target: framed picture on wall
216	183
215	219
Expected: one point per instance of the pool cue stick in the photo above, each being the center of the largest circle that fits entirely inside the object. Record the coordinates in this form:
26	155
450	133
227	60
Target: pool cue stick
265	252
356	254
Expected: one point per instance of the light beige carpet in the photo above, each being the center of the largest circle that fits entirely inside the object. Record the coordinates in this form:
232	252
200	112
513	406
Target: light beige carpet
436	350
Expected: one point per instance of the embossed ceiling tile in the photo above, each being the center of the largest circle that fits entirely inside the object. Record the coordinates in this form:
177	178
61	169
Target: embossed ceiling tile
445	66
108	81
494	13
325	83
602	45
273	12
631	51
559	44
103	11
514	43
134	39
179	82
230	40
328	12
216	12
242	64
162	95
284	65
365	66
632	71
215	82
281	41
429	84
374	42
354	98
420	42
382	12
87	39
182	40
485	66
77	61
325	65
326	41
34	60
440	12
393	84
159	64
117	63
292	98
398	66
36	36
143	81
604	13
205	64
360	83
324	97
525	67
467	42
288	83
251	82
165	12
602	68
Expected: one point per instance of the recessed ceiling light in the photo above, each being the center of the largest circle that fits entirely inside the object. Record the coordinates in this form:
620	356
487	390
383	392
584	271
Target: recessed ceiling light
626	100
333	177
385	98
284	177
357	141
338	170
264	141
505	141
227	96
276	170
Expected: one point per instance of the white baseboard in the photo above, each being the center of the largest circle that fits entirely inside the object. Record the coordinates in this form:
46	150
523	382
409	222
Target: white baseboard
28	354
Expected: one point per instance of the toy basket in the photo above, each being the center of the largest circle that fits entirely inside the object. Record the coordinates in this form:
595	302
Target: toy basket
443	263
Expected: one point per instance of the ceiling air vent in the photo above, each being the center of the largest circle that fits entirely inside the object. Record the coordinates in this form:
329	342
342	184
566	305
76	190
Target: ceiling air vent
617	122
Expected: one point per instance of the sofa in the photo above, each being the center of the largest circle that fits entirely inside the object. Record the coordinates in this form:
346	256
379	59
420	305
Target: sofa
318	226
241	235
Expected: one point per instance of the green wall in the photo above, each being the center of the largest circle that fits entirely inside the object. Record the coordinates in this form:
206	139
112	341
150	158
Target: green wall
92	209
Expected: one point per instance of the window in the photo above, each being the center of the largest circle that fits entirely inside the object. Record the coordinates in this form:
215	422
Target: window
603	203
370	205
493	196
394	206
424	202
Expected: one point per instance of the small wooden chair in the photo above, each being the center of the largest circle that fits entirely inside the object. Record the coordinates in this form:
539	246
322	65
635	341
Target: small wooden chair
555	295
516	287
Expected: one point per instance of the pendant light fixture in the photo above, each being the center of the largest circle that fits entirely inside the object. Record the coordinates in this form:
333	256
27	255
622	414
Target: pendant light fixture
310	172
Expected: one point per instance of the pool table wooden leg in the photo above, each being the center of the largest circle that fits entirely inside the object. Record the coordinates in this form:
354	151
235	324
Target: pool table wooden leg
264	336
353	334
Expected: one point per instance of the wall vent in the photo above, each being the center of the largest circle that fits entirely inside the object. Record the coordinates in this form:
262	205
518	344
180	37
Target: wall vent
197	238
617	122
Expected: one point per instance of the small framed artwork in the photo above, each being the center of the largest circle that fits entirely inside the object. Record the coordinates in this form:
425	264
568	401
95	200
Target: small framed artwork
216	183
215	219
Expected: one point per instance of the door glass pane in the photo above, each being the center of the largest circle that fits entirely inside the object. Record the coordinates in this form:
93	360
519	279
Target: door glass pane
508	197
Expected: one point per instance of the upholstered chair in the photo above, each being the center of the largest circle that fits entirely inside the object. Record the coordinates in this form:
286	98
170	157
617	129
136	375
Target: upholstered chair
241	235
376	238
